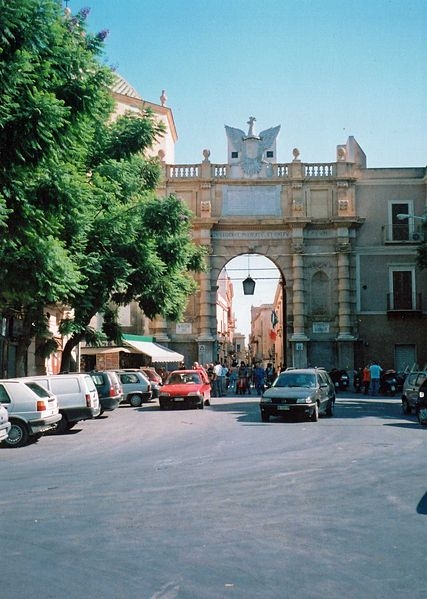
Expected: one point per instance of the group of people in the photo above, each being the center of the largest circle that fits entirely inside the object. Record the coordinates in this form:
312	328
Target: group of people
239	378
371	375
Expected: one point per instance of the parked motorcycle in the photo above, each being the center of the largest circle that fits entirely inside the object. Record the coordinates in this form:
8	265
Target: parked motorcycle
340	379
357	380
388	383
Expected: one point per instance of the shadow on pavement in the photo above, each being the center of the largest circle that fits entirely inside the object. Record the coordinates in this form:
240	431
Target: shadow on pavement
422	505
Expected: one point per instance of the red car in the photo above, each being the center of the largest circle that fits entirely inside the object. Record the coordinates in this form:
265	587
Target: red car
185	388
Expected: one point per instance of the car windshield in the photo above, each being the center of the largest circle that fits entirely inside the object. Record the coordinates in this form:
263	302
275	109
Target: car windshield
293	379
184	378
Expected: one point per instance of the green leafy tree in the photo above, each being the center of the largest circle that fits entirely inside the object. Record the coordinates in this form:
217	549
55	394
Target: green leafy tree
76	194
53	91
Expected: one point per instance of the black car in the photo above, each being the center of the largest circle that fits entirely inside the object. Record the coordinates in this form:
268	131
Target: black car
109	389
304	392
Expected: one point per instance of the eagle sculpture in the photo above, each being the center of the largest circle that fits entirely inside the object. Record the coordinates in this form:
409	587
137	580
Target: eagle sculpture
251	147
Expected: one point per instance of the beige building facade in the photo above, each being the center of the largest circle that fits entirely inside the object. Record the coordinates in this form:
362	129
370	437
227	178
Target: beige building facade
350	290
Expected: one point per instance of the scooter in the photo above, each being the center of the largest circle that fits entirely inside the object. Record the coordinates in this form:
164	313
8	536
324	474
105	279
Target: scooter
340	379
344	381
357	381
388	385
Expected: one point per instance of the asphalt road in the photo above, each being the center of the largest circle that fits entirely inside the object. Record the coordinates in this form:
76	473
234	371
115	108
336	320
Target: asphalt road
214	504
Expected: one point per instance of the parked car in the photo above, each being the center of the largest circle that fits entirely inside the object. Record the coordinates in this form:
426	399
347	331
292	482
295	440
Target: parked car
411	386
421	407
109	389
302	391
185	388
136	387
32	410
76	394
4	423
155	379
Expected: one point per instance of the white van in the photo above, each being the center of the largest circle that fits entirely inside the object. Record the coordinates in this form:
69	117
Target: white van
77	396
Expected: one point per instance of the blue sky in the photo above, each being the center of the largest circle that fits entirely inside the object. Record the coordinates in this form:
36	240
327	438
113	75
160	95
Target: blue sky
322	69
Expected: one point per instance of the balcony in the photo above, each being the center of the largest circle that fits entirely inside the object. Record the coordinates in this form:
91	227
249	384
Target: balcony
402	308
402	234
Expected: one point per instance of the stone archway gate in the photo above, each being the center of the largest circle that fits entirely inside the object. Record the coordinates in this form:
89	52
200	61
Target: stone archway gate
301	216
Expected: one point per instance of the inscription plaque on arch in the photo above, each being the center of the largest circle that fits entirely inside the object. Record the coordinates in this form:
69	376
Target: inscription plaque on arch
249	200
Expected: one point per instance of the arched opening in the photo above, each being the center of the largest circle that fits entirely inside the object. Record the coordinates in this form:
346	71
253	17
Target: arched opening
251	327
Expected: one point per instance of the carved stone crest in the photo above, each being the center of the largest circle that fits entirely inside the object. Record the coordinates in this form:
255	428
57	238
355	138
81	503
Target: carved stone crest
251	147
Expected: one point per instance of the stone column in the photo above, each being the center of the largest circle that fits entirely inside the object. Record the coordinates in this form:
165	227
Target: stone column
298	338
160	330
207	315
345	338
344	309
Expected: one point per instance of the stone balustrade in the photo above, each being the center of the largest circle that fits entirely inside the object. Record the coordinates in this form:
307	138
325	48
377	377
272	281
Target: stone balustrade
320	170
280	171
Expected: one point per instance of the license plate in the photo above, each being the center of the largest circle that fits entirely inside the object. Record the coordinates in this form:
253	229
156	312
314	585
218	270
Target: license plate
283	407
393	388
178	399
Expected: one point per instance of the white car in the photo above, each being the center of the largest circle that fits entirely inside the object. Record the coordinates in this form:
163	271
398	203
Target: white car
32	410
4	423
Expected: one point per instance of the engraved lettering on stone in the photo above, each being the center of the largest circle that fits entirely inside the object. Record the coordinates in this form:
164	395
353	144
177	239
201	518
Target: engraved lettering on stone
251	201
251	234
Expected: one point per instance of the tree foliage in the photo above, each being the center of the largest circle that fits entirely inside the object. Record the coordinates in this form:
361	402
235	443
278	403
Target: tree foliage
79	221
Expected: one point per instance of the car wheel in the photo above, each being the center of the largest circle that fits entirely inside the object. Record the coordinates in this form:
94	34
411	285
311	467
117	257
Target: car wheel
162	405
18	435
330	408
406	408
135	401
265	417
315	415
62	426
201	405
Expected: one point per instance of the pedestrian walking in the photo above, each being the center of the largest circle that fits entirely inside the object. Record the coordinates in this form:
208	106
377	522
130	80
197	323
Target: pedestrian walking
270	374
259	378
218	378
366	379
375	370
242	379
233	377
213	380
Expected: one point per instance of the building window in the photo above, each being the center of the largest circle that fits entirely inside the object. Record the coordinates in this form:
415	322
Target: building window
402	288
270	154
401	229
234	154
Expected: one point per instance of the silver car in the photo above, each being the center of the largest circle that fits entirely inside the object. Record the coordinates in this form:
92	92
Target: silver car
136	387
305	392
4	423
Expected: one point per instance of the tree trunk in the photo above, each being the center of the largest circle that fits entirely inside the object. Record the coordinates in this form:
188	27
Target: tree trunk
24	339
68	363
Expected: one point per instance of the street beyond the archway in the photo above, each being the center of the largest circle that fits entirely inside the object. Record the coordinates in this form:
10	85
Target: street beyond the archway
213	504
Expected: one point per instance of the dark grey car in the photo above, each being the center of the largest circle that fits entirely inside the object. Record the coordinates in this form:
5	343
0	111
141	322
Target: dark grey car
410	390
305	392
